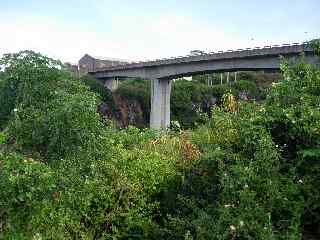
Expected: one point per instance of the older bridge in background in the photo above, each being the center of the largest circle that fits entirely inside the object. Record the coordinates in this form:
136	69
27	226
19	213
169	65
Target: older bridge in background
162	71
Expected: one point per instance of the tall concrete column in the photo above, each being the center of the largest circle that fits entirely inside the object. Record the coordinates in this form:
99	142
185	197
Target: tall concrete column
111	84
160	103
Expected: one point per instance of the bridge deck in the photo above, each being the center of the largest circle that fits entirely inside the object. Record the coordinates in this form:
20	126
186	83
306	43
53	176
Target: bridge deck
285	49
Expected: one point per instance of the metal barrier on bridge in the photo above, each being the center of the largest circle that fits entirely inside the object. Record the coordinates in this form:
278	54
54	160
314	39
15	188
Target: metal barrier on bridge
179	59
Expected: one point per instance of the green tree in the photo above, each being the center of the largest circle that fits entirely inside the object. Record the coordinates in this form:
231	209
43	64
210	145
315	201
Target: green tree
52	112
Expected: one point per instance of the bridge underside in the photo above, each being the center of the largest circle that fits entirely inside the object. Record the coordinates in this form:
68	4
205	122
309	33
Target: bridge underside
172	71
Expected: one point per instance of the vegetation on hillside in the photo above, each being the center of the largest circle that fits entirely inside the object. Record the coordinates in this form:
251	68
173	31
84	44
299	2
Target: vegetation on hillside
251	171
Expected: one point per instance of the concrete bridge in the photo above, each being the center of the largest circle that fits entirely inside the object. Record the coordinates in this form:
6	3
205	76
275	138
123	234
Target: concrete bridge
162	71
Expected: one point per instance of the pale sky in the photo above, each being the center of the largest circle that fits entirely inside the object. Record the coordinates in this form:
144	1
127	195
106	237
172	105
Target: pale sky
141	29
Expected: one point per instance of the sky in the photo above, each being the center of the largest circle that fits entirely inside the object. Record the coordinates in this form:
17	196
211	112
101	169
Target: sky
142	30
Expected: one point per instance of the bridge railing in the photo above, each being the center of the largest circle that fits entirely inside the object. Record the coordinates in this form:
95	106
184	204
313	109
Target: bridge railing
180	58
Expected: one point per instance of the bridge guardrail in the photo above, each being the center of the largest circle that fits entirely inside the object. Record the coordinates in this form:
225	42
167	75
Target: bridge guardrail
204	54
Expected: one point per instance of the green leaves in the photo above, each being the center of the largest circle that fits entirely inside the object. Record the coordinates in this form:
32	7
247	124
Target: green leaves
315	44
2	138
52	112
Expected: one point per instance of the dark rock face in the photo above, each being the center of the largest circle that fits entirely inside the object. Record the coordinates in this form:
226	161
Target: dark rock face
104	109
125	112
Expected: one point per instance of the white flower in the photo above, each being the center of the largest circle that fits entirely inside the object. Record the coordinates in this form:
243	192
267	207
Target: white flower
15	110
300	181
246	186
37	236
241	223
229	205
232	228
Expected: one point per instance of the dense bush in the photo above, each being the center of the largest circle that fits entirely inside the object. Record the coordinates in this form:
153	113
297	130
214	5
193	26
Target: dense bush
52	112
187	99
103	191
236	189
7	98
258	175
97	87
190	101
92	187
292	115
248	88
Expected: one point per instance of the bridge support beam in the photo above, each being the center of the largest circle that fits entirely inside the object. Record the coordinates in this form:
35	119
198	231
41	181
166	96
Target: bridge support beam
160	104
111	83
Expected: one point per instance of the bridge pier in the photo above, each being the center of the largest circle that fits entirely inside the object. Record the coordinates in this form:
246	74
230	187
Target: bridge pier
111	83
160	104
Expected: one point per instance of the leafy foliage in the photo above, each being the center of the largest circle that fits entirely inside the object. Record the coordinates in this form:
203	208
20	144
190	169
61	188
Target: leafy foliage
99	89
53	112
7	98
